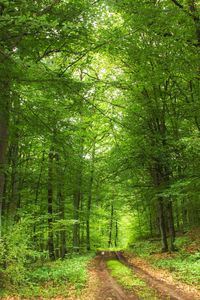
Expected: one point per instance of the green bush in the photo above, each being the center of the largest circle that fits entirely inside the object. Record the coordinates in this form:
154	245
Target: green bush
16	255
187	269
72	270
47	280
144	248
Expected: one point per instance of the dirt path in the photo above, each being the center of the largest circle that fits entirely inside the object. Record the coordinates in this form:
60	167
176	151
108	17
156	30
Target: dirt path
106	287
103	287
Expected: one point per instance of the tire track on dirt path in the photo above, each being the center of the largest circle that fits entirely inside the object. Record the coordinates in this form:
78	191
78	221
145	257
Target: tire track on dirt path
166	290
109	289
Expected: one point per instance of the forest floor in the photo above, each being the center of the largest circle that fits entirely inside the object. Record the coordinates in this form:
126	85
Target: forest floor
142	273
149	282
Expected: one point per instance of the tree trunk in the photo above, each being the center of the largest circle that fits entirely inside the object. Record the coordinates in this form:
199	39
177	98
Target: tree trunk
63	249
14	159
61	208
162	226
76	227
150	222
171	225
14	196
37	192
57	245
111	226
177	216
184	215
90	199
4	123
50	205
116	233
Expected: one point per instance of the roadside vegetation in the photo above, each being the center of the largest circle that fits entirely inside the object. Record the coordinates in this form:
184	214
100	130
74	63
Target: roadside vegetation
49	279
184	263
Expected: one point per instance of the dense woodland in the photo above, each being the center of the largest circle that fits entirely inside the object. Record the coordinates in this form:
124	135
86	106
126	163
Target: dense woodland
99	125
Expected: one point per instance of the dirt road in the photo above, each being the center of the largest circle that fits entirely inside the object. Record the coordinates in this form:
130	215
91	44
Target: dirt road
109	288
103	287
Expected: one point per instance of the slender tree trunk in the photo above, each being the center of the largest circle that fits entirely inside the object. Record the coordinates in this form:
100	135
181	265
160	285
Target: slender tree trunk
139	219
184	215
90	199
50	206
57	245
171	225
37	192
116	233
76	227
63	249
61	208
5	196
4	123
14	159
177	216
150	222
162	226
111	226
13	201
158	177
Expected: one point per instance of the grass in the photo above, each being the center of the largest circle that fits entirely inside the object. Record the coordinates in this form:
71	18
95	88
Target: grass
59	278
183	264
131	281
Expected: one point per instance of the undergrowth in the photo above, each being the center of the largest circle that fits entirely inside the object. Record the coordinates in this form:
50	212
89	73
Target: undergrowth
184	264
56	278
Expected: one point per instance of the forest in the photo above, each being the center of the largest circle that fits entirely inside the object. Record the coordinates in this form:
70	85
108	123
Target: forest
100	149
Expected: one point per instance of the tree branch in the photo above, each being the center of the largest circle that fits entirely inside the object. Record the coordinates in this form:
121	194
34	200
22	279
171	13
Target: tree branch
178	4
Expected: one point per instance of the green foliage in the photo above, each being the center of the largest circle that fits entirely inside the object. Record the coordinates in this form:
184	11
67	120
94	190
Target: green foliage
144	248
71	270
187	269
17	254
52	278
